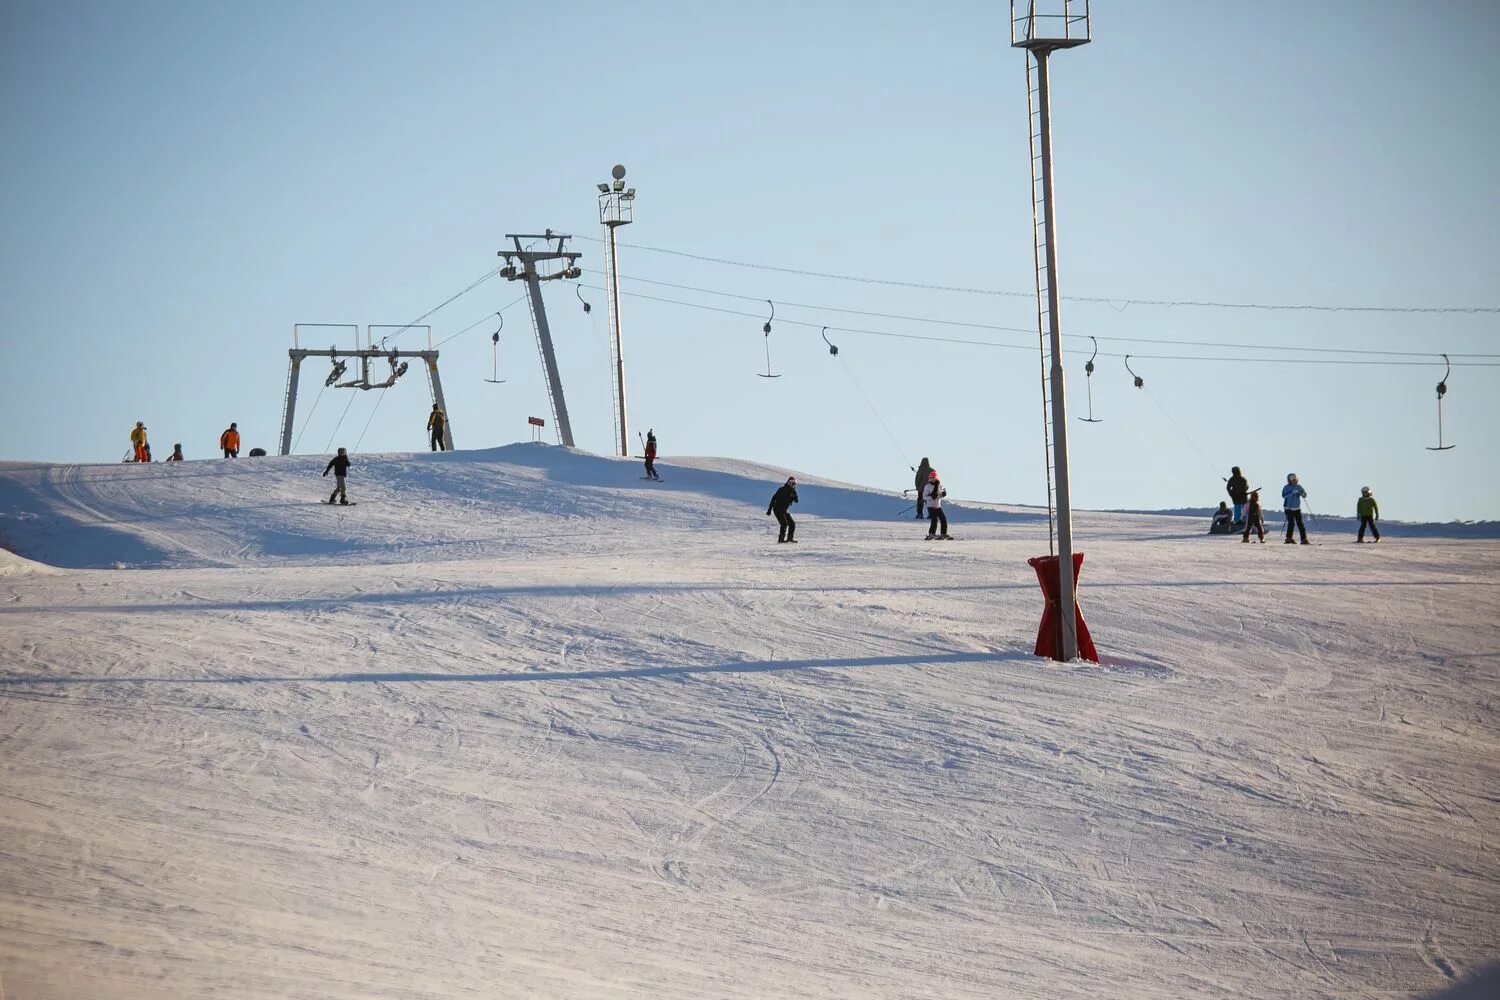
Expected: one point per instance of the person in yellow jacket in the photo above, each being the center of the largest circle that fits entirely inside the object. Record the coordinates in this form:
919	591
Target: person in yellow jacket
437	424
138	441
230	441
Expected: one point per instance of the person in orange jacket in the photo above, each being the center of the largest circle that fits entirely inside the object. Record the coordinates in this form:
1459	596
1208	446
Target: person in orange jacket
138	441
230	441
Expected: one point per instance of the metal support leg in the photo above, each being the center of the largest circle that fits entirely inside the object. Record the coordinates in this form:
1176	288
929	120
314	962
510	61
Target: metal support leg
549	360
437	397
290	406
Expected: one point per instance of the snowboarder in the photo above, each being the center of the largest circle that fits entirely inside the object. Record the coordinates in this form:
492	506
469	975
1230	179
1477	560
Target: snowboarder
1291	504
1369	512
934	494
437	424
1253	519
651	455
1238	489
1222	523
230	441
138	442
923	469
340	466
176	455
782	499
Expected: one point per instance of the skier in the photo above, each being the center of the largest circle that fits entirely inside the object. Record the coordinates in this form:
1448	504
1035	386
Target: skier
651	455
1237	488
923	469
1253	519
782	499
340	466
138	442
1222	523
176	455
1369	512
934	496
437	423
1291	505
230	441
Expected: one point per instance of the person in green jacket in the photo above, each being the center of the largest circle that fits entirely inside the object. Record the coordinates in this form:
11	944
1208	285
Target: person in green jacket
1369	512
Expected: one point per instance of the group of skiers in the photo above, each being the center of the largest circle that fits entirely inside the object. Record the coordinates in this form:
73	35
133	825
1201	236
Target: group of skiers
1247	517
140	447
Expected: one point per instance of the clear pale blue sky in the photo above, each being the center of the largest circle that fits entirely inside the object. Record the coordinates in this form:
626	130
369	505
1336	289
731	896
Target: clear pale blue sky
184	182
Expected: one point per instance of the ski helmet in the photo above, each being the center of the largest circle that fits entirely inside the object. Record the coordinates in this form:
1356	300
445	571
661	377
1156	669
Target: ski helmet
342	452
1291	477
1365	490
932	474
791	480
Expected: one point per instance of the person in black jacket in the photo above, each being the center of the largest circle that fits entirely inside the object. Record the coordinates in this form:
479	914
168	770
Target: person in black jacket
780	501
340	466
1239	493
922	470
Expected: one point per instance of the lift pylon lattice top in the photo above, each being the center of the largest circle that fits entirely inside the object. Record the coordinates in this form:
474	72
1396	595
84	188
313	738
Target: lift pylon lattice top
1049	24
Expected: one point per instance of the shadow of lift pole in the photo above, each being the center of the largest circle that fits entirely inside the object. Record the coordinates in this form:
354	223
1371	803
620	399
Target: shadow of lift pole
1056	26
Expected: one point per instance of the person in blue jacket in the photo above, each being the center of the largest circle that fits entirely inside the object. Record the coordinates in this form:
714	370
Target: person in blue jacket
1291	505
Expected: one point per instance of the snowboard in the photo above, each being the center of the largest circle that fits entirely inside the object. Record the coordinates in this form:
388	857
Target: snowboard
335	503
651	479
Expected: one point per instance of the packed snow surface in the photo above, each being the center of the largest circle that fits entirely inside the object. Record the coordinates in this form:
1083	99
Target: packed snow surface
521	724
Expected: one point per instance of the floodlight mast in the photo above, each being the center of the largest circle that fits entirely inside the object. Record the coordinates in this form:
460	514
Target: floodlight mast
1058	25
527	272
616	209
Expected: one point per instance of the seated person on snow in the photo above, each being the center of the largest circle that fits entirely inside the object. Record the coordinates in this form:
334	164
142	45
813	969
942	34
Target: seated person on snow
1223	522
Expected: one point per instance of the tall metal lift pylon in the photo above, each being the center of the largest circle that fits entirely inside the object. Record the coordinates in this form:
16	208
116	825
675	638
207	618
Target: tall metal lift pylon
527	272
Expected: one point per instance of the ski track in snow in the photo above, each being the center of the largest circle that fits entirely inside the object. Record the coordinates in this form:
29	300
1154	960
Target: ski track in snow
522	725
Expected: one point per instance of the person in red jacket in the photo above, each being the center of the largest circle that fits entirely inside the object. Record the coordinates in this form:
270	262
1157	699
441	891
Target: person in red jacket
230	441
651	455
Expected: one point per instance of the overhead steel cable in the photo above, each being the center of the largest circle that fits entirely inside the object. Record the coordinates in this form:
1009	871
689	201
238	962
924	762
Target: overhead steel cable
1032	330
1025	347
1108	300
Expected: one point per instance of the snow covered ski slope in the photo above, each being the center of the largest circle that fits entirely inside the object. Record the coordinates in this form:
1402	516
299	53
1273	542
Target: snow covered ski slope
522	725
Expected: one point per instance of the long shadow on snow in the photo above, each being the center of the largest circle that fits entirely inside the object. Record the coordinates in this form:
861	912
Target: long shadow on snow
735	667
586	474
581	590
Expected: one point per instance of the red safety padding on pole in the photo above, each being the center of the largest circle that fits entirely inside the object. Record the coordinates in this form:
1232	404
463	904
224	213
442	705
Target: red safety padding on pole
1046	637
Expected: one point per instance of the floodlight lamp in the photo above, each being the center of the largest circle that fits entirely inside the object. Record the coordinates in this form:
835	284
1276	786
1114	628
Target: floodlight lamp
619	185
604	189
630	193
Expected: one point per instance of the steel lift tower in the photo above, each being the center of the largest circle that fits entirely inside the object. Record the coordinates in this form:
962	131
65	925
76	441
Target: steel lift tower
1041	27
363	355
526	270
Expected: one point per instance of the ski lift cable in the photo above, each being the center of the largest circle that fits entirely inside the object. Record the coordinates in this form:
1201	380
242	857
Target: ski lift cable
448	301
1110	300
1032	331
896	445
483	319
306	421
352	397
1183	431
1024	347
